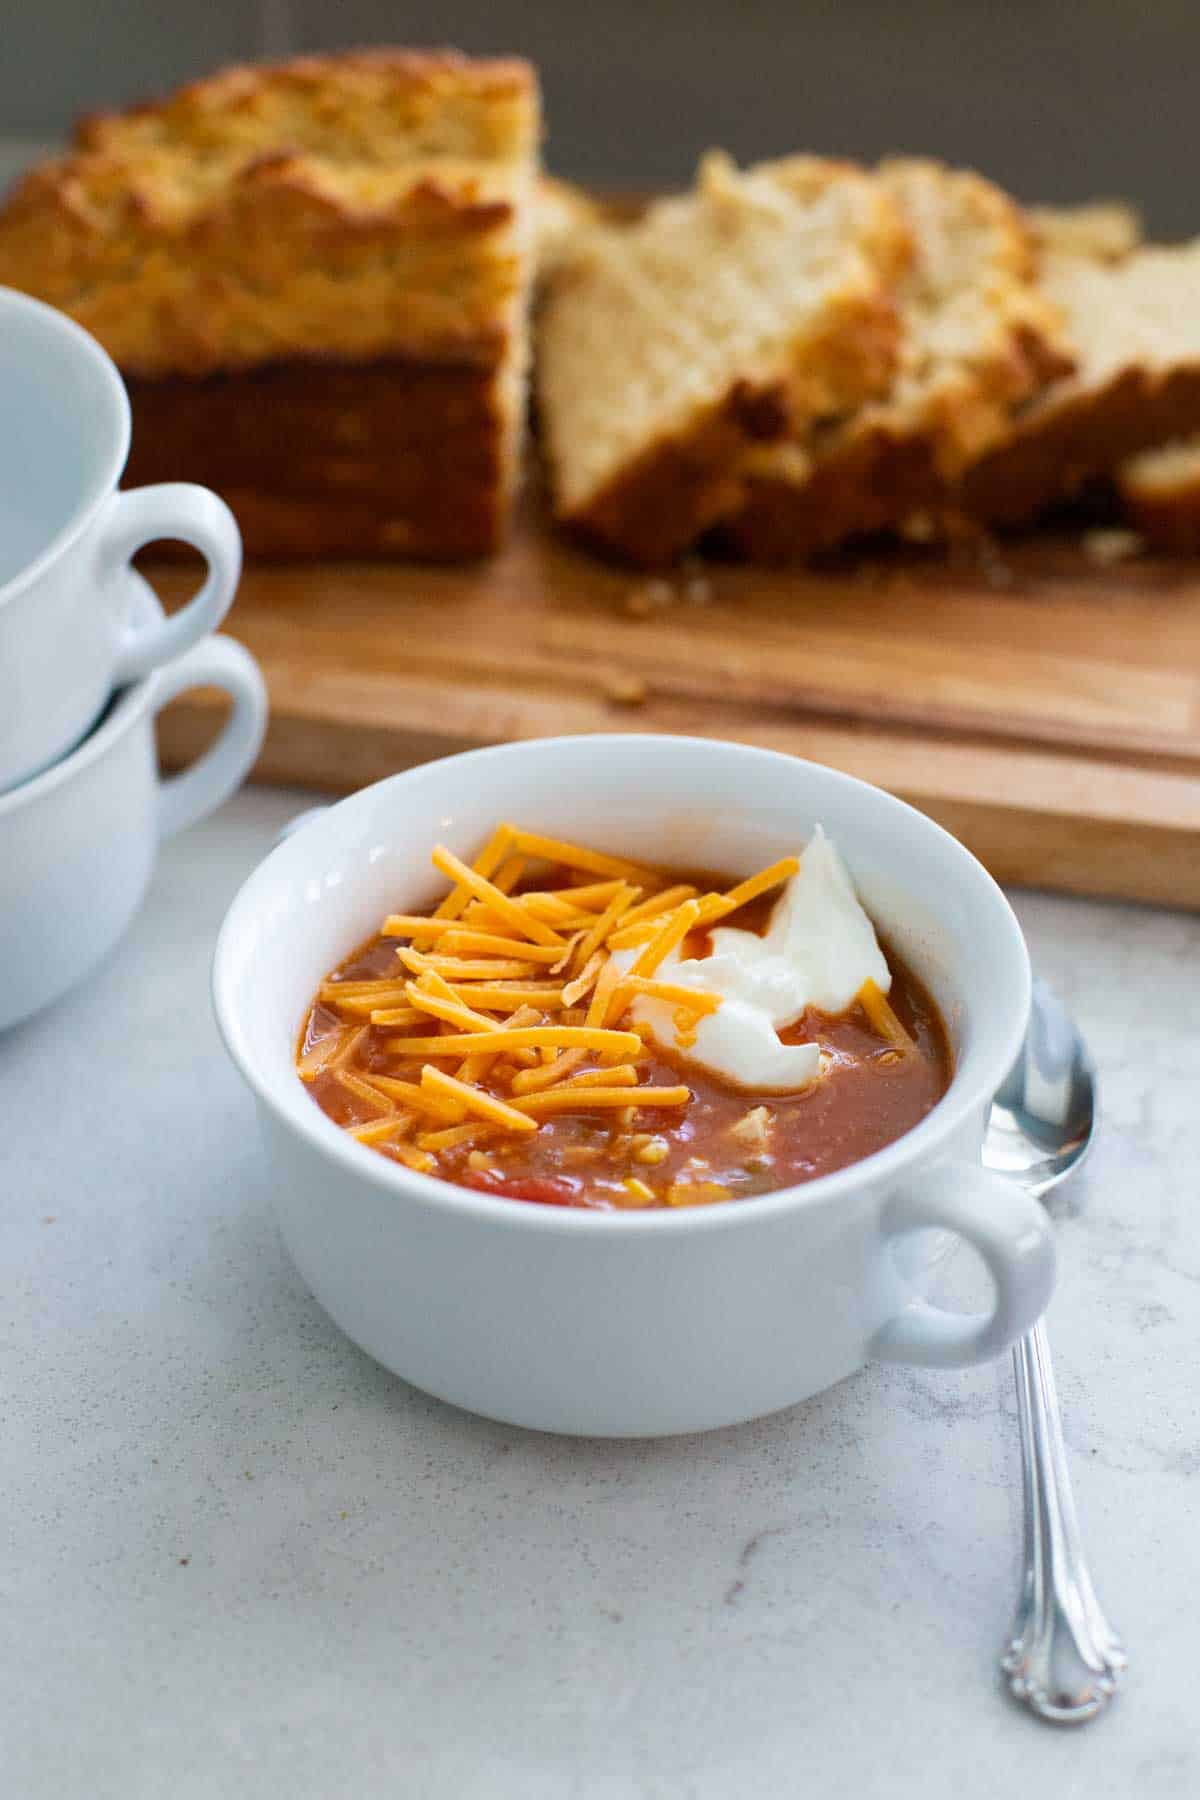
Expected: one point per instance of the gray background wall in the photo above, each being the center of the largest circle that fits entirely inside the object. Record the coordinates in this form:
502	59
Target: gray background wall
1060	102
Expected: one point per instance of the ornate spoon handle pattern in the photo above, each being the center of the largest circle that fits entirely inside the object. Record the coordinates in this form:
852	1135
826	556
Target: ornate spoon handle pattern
1064	1660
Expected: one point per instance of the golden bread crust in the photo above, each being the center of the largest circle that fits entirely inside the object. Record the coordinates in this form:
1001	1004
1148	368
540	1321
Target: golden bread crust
314	277
379	105
871	480
1082	435
281	258
677	488
362	206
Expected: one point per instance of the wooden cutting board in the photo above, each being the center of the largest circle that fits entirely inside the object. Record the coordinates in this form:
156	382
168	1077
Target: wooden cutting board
1042	705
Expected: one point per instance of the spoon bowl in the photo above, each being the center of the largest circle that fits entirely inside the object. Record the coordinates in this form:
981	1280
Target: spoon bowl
1044	1115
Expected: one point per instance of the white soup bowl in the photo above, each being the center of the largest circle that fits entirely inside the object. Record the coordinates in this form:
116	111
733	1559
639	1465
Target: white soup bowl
665	1321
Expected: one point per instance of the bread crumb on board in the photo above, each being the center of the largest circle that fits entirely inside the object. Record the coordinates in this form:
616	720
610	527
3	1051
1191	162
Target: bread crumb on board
1108	546
691	586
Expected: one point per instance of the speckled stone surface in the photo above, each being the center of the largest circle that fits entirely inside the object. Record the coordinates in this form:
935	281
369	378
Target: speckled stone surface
240	1559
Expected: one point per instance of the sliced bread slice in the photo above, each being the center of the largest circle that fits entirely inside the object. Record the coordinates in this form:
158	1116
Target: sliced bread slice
1134	323
978	339
1158	490
746	310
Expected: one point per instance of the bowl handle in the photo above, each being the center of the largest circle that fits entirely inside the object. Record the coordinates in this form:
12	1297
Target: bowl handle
217	662
174	509
1012	1234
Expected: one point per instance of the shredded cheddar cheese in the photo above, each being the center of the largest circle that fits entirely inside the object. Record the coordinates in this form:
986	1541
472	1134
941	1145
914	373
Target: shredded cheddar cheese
336	993
413	925
692	1000
369	1009
526	1038
717	906
362	1090
507	997
453	1135
878	1009
529	1081
603	993
420	1160
667	938
479	1063
585	981
475	1099
458	968
510	872
573	856
617	908
564	903
457	942
379	1131
504	1009
637	929
451	1010
630	936
486	863
495	901
412	1095
569	1097
663	902
618	1075
330	1053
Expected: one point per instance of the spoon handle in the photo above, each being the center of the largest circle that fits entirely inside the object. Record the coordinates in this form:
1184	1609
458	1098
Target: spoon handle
1064	1659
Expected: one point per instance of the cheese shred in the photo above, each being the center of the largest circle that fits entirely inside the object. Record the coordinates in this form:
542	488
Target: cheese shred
879	1011
502	1008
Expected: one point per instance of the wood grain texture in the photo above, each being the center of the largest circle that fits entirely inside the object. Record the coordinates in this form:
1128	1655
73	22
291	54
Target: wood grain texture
1042	707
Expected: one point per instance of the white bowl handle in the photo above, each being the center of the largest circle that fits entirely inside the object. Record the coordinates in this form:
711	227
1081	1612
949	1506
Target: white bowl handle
218	662
173	509
1014	1237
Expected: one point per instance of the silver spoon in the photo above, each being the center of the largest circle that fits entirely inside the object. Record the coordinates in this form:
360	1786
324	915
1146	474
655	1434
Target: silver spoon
1063	1659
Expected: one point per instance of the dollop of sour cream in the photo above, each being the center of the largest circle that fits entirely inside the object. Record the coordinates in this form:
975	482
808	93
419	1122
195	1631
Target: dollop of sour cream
818	950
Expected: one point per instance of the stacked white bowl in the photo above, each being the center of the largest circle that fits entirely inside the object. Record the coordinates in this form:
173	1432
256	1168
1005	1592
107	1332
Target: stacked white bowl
87	660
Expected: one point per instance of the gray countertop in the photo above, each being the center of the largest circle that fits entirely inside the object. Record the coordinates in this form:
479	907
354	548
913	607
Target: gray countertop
240	1558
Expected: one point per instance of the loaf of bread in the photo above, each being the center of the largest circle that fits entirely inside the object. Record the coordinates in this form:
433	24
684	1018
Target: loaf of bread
744	312
978	340
315	279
